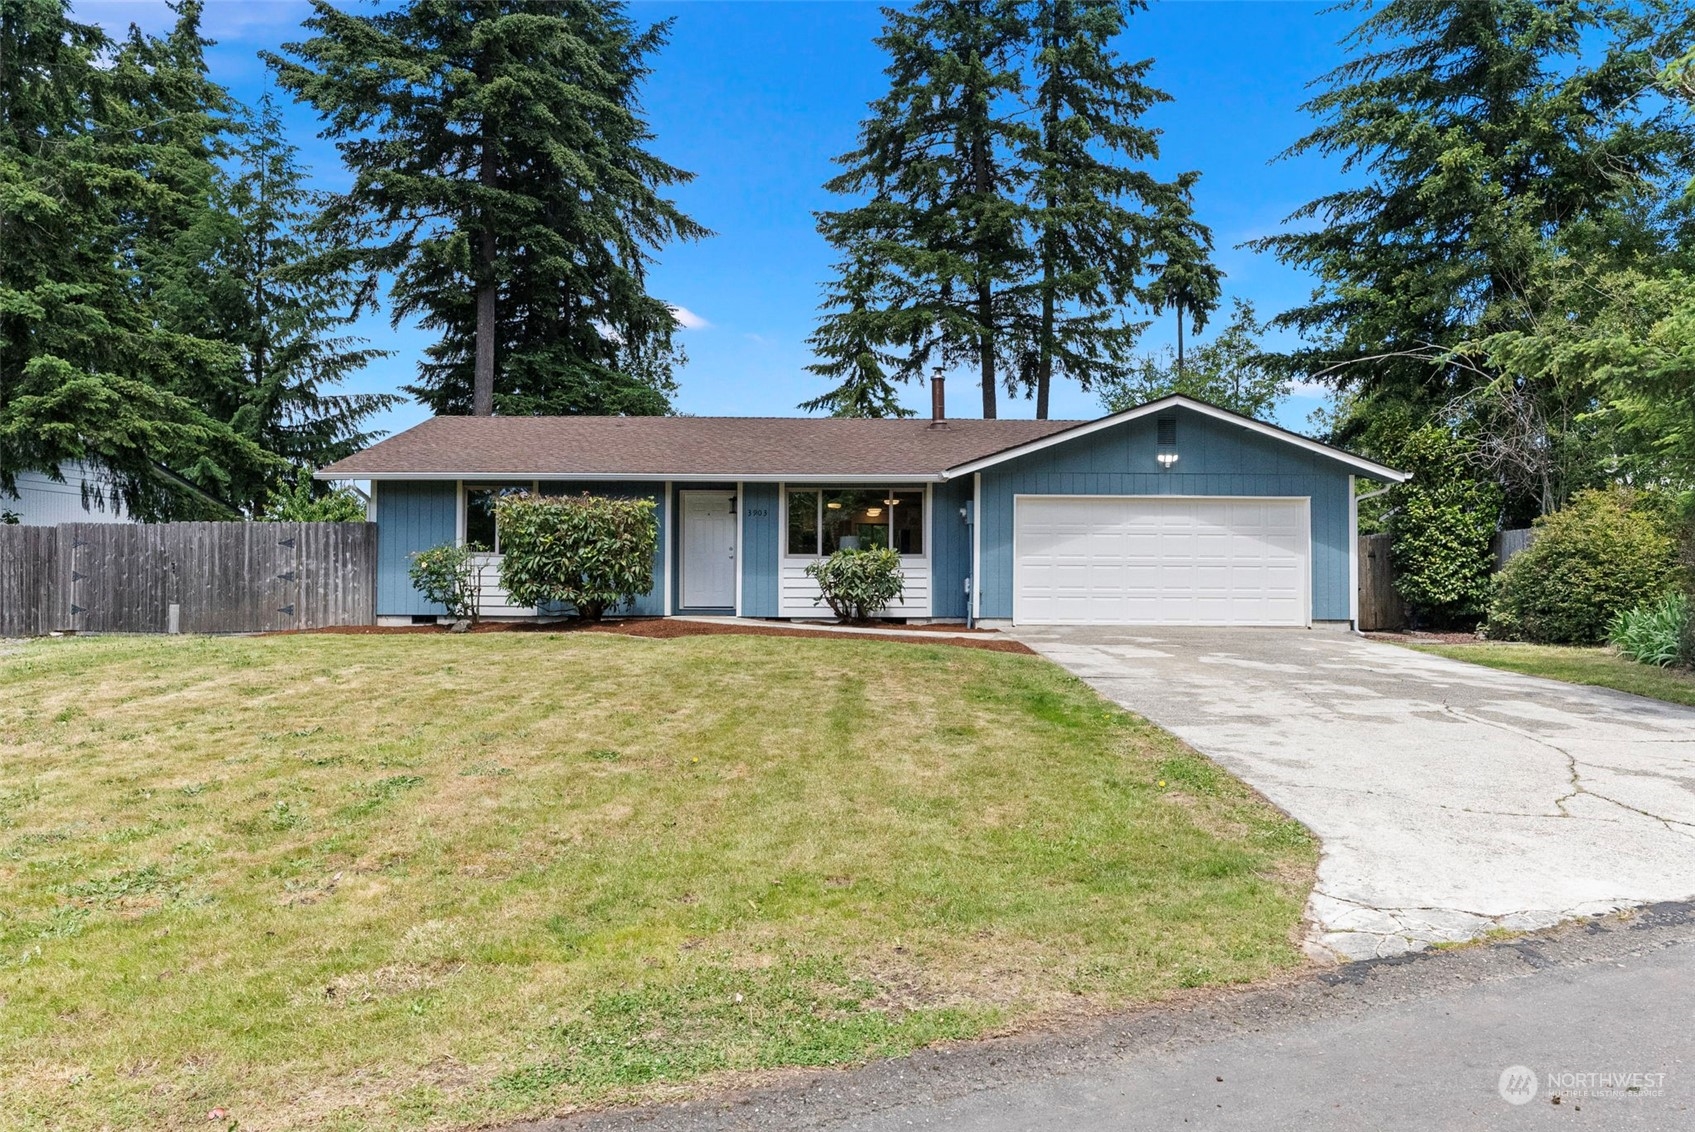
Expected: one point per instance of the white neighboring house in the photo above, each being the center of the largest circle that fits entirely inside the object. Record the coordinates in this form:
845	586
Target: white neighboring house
42	502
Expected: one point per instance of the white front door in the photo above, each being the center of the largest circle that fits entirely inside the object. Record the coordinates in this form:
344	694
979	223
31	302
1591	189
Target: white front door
709	549
1160	560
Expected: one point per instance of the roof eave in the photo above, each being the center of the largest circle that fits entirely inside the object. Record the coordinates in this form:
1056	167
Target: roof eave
331	473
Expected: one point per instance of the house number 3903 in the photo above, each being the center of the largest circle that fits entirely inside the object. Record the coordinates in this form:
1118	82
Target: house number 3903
758	512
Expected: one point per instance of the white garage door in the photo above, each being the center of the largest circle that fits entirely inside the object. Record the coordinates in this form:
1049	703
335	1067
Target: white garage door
1160	560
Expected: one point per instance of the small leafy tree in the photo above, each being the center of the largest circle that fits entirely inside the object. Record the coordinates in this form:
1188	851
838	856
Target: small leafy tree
1603	554
586	551
450	575
1232	371
305	501
1442	521
858	584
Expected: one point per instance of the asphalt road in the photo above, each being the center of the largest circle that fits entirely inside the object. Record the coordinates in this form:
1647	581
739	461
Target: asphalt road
1418	1041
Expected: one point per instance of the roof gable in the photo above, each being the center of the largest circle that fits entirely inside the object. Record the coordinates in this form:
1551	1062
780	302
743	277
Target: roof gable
1357	464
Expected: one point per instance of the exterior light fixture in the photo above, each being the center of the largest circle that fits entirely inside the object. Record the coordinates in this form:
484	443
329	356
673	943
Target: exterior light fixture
891	502
1166	459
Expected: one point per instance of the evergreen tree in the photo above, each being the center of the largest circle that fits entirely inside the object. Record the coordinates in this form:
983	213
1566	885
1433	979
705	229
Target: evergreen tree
1095	211
851	355
1483	128
106	162
1011	217
500	172
941	238
277	294
1185	279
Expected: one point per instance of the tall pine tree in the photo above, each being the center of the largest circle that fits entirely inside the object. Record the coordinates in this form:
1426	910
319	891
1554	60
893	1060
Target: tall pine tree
1100	220
1011	218
1482	130
501	173
850	352
940	239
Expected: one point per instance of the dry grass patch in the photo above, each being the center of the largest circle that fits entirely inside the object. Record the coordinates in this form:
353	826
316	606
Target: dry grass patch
428	882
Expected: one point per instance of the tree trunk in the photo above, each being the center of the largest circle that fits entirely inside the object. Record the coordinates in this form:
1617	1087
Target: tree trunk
482	382
1180	341
985	285
482	389
1050	134
1044	367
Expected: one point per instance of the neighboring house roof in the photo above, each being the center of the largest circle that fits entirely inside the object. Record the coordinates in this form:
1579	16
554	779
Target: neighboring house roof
680	448
750	448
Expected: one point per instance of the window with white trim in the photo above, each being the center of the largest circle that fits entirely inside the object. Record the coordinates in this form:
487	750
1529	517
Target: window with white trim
825	520
480	530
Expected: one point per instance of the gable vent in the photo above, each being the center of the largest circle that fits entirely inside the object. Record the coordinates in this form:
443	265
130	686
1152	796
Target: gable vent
1167	431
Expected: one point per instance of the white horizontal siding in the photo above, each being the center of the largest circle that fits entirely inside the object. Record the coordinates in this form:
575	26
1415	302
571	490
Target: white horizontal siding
797	593
496	602
41	502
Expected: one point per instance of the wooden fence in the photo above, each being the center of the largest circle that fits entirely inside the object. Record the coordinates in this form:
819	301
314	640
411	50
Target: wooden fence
1505	544
1380	606
185	577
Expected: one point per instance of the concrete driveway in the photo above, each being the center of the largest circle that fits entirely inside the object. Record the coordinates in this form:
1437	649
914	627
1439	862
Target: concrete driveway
1450	799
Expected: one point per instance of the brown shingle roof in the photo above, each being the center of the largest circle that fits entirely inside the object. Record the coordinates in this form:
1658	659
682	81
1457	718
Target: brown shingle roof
681	447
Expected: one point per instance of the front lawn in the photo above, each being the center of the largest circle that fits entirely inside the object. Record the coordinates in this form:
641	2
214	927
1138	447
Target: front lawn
426	881
1601	667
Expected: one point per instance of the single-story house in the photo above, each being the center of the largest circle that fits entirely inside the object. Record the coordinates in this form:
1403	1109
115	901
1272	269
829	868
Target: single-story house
1172	513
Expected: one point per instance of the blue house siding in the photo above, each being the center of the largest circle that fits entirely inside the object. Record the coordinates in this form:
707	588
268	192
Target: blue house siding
950	548
410	517
760	549
1214	458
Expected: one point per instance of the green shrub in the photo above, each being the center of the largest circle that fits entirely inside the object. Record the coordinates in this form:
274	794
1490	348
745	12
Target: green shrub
305	501
449	575
1654	632
1599	556
1442	521
858	584
585	551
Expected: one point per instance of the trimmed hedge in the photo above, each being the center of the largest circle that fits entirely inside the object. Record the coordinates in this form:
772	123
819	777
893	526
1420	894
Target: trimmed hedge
585	551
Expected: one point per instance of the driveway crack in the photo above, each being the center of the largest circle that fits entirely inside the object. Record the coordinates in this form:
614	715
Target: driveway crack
1573	770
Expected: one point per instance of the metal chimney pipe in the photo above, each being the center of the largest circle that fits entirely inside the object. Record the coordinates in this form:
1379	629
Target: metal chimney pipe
938	396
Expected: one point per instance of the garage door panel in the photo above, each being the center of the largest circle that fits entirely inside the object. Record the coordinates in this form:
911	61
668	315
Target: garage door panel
1160	560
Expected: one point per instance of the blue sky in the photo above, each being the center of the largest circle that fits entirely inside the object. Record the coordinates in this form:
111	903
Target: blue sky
756	97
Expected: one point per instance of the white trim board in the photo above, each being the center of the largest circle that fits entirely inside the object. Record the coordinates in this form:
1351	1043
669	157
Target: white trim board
1177	401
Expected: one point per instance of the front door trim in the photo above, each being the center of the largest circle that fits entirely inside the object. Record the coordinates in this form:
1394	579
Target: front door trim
732	593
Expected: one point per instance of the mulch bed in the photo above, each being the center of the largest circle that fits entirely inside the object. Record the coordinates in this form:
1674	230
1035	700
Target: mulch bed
664	628
1421	637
